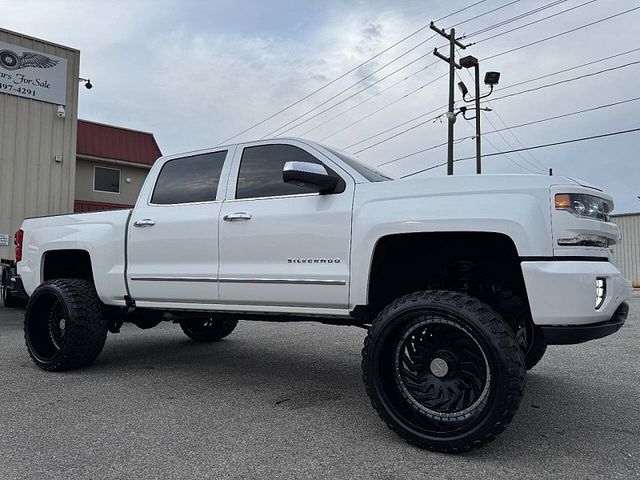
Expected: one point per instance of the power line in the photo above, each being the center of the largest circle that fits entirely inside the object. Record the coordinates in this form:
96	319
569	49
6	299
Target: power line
509	20
553	144
486	117
516	18
402	131
340	77
515	137
279	129
313	109
497	150
480	15
493	100
504	88
561	33
519	27
573	79
501	89
526	160
575	67
379	92
387	105
525	124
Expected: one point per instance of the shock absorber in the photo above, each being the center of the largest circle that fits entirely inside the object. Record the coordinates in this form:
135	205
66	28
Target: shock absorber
463	276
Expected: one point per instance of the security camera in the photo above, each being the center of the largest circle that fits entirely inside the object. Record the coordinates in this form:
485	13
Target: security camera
87	82
463	89
61	113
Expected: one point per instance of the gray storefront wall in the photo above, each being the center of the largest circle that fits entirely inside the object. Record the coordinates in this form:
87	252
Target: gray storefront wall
131	180
626	255
37	147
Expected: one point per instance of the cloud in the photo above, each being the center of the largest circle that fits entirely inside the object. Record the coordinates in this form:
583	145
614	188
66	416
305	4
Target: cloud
196	72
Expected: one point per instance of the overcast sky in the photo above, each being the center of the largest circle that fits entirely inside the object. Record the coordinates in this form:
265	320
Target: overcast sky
197	72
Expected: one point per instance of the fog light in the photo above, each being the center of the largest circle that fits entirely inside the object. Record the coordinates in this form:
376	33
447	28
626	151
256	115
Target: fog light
601	291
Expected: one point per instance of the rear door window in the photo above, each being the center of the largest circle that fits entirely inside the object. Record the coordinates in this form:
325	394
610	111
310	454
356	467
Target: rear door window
189	179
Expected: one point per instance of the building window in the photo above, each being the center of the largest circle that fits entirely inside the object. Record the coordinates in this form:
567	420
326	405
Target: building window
106	179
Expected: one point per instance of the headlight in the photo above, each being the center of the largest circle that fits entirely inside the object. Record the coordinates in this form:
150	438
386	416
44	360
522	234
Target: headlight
582	205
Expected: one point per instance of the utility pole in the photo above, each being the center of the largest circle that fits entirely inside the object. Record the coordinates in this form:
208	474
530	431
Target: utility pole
451	60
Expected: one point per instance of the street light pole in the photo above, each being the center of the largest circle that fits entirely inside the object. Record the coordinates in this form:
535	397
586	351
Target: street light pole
476	69
490	79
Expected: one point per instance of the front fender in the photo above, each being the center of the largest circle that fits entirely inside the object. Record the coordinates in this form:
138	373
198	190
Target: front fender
524	217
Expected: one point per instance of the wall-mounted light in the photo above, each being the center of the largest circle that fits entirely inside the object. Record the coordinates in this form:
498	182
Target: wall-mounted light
87	83
128	180
61	112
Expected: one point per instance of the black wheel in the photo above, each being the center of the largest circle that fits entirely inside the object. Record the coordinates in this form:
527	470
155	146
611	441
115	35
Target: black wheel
536	348
64	326
443	370
8	300
207	329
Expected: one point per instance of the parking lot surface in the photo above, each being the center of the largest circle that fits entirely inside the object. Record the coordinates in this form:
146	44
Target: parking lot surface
287	401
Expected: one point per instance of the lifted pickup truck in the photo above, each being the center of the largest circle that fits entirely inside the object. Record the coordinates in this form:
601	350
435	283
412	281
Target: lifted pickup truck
461	281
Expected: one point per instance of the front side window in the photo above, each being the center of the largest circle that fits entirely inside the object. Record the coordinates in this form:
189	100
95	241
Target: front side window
106	179
189	179
261	168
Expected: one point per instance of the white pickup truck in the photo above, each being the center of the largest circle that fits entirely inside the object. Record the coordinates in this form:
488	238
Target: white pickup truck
461	281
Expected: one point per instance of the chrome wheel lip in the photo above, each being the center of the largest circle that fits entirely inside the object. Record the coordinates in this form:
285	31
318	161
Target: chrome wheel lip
480	402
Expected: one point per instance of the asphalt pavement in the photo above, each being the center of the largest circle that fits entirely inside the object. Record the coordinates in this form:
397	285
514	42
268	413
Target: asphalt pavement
278	400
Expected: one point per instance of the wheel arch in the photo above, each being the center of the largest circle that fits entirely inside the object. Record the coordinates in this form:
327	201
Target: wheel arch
404	262
67	263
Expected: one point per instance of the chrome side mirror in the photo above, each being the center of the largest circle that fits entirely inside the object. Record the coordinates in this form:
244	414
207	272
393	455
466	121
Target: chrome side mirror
310	174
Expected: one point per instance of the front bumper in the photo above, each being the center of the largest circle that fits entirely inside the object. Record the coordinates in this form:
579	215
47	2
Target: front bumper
572	334
563	294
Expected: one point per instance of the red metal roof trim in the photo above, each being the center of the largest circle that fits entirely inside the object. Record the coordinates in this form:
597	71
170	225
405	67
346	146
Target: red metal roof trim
116	143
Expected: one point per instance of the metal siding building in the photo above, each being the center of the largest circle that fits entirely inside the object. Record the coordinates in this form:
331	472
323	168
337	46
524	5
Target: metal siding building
130	152
627	254
37	148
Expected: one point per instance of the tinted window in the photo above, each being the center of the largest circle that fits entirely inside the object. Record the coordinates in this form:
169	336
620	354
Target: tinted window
189	179
106	180
367	172
261	171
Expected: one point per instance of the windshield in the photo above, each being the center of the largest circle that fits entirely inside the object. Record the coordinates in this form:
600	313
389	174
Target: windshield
367	172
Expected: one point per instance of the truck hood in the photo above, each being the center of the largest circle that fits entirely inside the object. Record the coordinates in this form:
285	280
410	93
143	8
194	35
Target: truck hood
461	184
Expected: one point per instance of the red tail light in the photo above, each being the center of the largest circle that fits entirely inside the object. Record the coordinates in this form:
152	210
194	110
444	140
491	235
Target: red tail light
17	239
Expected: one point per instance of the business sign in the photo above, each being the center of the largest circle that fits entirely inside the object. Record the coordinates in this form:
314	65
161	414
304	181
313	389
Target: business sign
31	74
4	240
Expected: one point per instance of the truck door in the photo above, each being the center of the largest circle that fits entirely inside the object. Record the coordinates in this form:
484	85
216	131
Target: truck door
283	244
173	233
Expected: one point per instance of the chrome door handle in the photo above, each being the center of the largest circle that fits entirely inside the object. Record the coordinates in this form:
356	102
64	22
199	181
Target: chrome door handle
234	217
146	222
